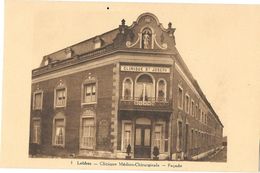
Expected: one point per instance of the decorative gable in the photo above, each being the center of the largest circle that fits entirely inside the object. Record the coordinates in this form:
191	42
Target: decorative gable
147	33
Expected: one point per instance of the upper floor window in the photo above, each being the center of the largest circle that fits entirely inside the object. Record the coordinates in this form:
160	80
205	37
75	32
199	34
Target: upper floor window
144	89
127	89
196	112
60	95
37	100
187	103
192	108
199	115
161	90
180	97
202	117
89	93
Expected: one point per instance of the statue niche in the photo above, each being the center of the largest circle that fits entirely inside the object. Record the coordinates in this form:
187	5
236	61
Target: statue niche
147	38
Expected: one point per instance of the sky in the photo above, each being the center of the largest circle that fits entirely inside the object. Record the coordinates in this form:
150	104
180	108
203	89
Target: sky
214	41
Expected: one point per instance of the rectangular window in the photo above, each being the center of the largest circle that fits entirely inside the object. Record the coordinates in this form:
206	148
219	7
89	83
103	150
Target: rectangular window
138	136
158	141
187	103
88	133
60	97
127	134
180	98
36	131
179	135
37	102
59	133
89	93
192	108
147	134
199	115
192	140
196	112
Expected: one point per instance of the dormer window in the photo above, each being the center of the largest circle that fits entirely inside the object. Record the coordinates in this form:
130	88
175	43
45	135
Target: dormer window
68	53
97	42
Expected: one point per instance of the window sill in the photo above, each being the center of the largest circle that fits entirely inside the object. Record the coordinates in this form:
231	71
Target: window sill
37	109
58	146
87	148
89	103
60	106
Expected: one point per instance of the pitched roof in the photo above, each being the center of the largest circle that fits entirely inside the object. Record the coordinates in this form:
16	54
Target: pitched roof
83	47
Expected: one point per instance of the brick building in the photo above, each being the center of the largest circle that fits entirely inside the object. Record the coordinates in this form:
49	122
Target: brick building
126	87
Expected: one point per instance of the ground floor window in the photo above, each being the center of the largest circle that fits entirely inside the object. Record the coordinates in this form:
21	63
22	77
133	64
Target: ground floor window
88	133
158	137
59	132
36	131
126	135
179	139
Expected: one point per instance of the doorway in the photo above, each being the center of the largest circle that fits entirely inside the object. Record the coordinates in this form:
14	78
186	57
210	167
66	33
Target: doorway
142	138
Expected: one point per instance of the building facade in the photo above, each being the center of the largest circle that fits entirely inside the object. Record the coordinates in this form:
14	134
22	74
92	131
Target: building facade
126	88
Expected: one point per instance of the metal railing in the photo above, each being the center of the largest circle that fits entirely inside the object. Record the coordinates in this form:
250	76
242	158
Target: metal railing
145	102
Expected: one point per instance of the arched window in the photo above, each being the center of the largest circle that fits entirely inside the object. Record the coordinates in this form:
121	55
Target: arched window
127	92
161	90
144	89
147	38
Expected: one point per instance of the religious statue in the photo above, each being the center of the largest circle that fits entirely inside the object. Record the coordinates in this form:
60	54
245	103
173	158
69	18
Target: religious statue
146	40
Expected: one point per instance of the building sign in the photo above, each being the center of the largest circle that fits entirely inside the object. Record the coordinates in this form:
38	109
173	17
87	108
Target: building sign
150	69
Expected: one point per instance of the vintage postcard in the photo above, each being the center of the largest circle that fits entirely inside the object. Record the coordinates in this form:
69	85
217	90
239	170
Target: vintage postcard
136	86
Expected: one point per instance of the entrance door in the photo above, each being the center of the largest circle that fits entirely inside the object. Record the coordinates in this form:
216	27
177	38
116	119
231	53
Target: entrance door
142	141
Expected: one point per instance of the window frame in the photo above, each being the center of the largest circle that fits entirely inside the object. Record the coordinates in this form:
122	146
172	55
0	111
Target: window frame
196	111
136	84
59	87
192	108
89	82
33	132
165	90
34	99
182	95
162	142
87	115
59	116
132	89
187	110
179	141
123	149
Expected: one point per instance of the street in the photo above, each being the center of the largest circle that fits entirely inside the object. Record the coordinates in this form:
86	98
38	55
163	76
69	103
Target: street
221	156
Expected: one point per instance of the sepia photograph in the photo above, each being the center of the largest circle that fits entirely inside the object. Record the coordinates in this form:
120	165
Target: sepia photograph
124	94
131	86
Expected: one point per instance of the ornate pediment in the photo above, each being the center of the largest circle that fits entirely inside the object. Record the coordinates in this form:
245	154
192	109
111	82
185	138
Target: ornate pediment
147	33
